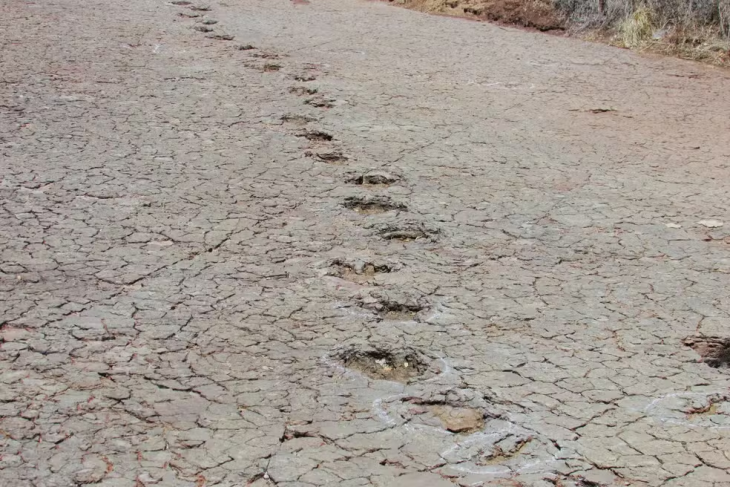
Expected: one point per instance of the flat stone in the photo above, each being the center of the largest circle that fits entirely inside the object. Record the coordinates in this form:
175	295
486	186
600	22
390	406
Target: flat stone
457	419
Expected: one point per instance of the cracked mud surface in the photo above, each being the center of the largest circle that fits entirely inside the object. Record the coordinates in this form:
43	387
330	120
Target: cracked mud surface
178	272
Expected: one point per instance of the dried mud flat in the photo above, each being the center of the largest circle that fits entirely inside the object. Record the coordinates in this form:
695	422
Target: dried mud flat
335	243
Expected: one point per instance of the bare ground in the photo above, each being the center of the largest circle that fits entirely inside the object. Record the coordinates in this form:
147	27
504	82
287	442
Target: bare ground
337	243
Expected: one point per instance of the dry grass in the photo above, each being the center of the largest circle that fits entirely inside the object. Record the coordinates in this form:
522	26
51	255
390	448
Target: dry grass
433	6
451	7
690	29
705	47
637	28
689	40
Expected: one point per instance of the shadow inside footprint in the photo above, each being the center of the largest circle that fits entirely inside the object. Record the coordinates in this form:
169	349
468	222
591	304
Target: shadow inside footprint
400	365
371	205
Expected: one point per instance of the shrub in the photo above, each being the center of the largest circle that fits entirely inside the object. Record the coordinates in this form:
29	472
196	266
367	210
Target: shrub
632	17
637	28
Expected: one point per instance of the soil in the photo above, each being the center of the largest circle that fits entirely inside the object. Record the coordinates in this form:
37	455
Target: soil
537	14
372	205
715	351
394	365
359	273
